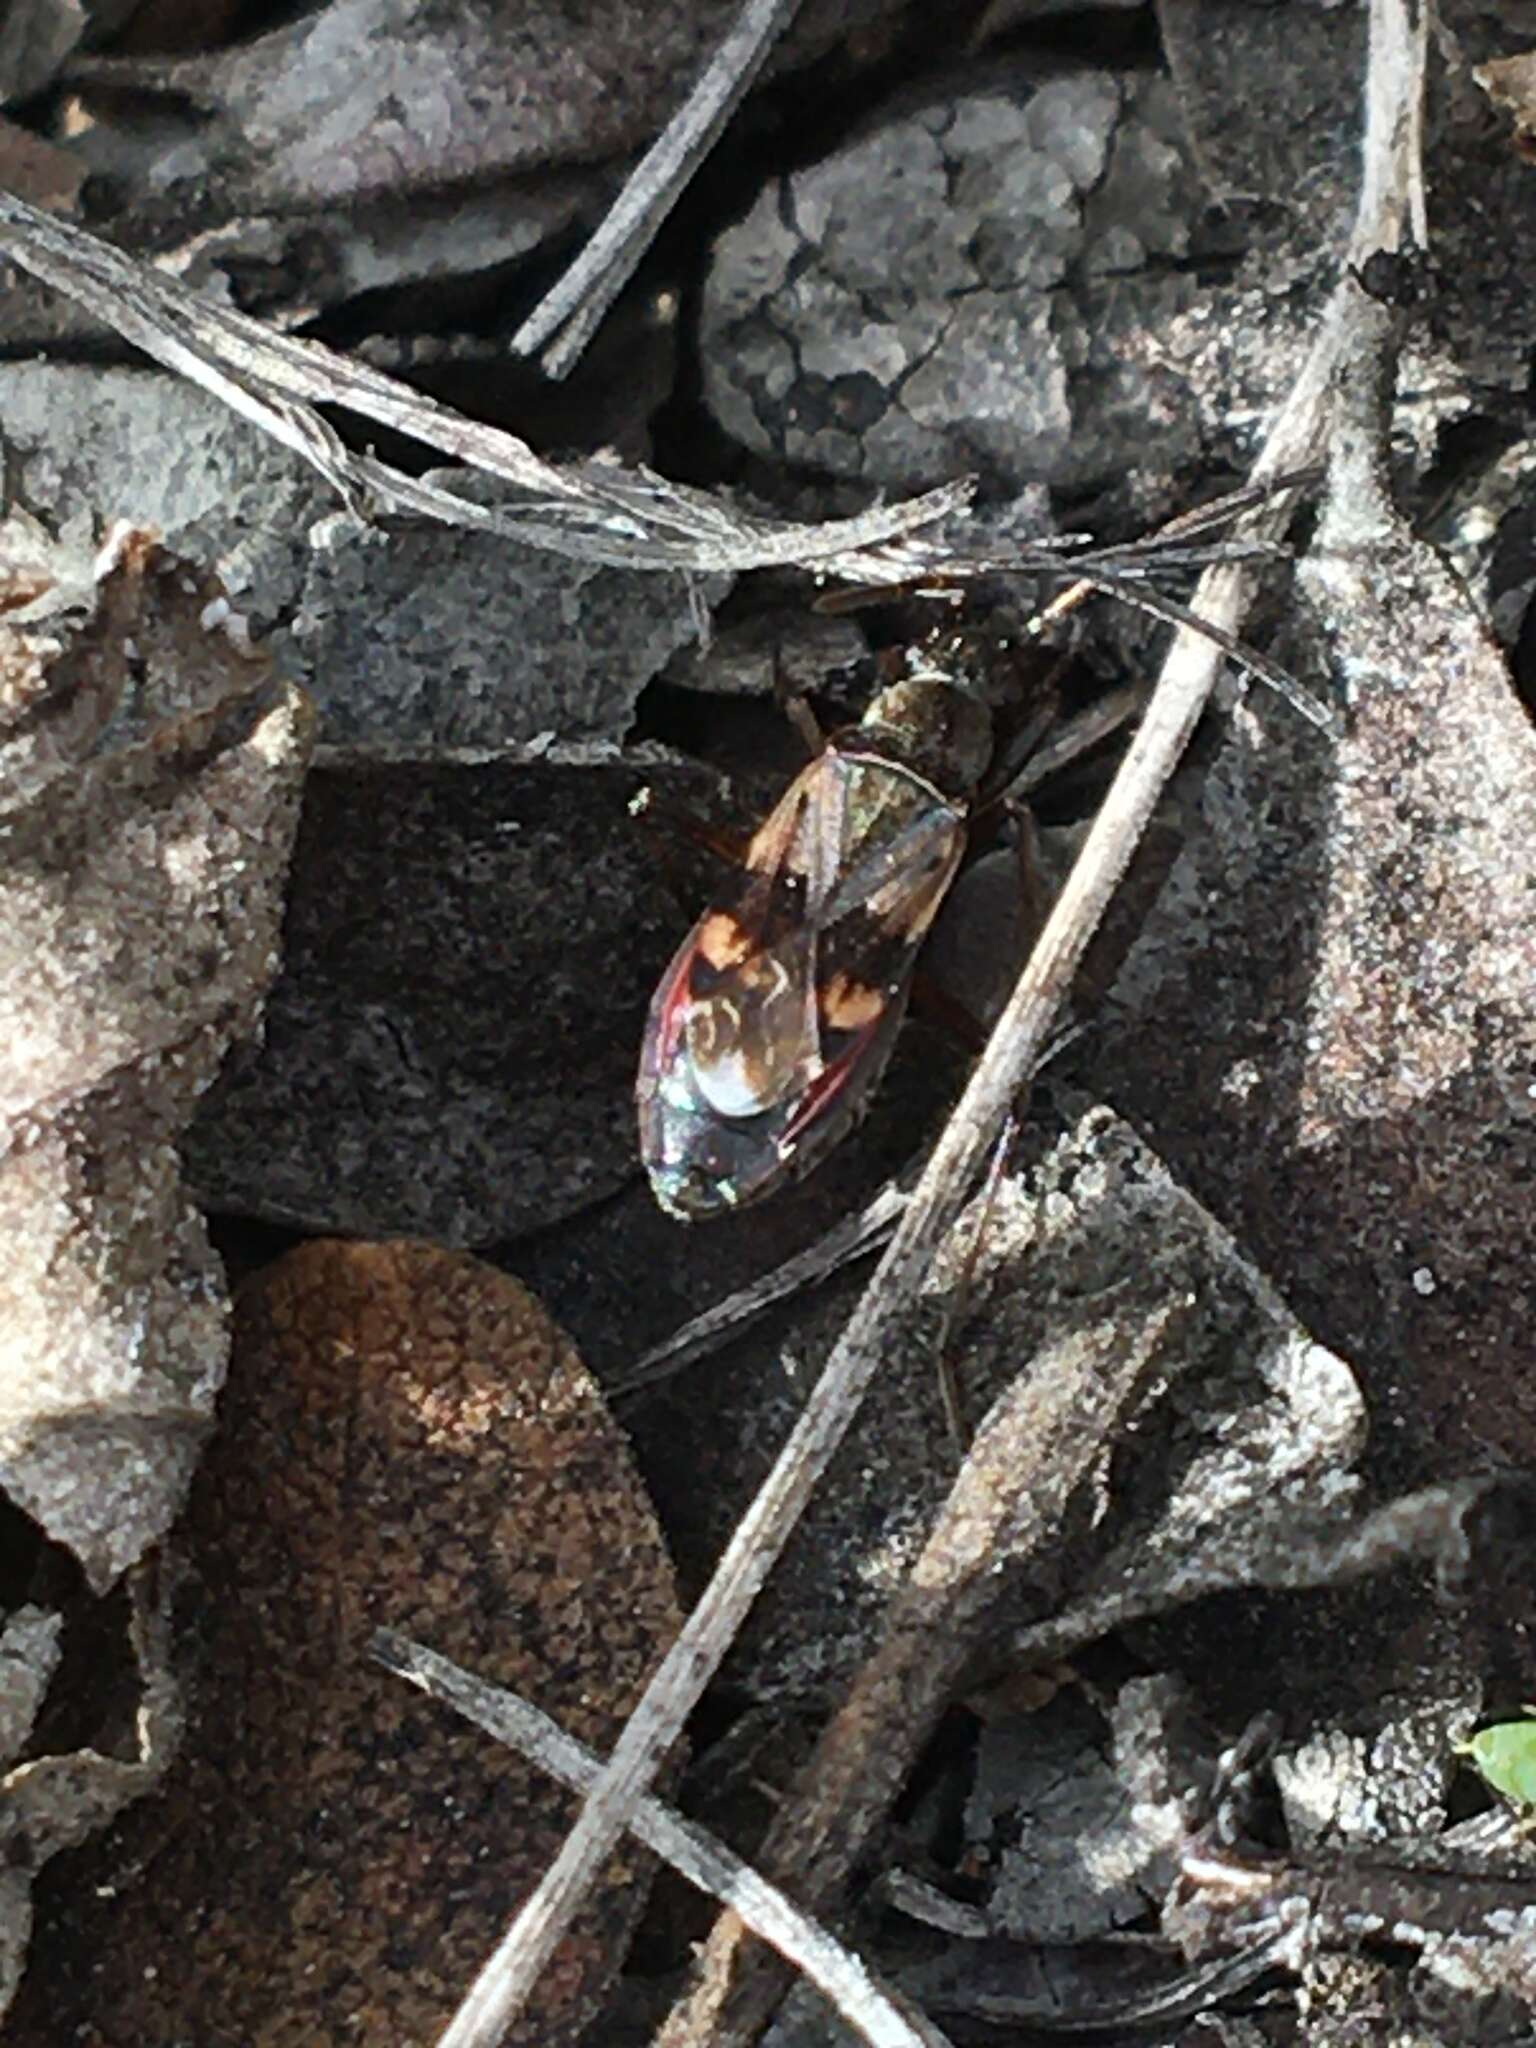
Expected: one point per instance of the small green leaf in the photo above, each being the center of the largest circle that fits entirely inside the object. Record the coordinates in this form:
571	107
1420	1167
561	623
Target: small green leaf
1505	1754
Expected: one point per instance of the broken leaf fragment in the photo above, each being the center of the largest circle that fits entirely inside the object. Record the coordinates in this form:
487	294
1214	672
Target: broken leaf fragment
406	1440
50	1802
150	767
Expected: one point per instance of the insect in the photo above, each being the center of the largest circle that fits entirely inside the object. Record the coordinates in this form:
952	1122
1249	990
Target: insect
1505	1756
780	1009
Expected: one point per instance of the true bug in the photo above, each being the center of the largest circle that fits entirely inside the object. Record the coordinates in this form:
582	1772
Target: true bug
780	1008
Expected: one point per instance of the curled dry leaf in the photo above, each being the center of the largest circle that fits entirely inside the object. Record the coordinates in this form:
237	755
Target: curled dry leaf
383	97
407	1439
51	1802
150	766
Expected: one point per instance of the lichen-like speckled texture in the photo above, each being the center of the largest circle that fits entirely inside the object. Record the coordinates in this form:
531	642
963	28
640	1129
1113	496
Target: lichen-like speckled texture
407	1439
1013	303
1330	1020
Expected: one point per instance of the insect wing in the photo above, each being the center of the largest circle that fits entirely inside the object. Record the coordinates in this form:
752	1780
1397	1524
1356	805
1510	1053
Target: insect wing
780	1009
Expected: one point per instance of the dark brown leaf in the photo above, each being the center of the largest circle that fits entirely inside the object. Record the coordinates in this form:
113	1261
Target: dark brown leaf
407	1440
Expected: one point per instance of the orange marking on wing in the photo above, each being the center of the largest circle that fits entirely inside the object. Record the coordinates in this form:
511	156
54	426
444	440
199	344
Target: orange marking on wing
849	1005
722	941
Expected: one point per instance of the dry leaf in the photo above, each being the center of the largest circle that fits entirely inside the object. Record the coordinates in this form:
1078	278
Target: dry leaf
406	1439
150	767
450	1049
1328	1027
1510	82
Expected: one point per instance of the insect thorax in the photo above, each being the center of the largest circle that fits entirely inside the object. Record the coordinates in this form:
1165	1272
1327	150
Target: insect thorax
932	726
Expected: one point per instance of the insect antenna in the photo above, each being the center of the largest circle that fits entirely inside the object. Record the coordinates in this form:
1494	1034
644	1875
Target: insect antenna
1161	546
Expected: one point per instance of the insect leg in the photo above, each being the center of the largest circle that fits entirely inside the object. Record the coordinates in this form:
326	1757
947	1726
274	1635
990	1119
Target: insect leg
796	707
1072	738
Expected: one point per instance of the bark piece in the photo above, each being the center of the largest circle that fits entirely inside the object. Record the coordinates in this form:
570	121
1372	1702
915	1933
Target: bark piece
1003	309
421	636
374	96
38	170
36	36
1330	1020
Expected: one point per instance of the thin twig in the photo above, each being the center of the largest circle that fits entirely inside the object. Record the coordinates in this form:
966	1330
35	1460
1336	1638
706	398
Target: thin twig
1183	690
578	302
851	1239
1041	1439
839	1975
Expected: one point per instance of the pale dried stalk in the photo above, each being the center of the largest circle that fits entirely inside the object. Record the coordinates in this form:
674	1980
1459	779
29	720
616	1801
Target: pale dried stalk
1394	90
593	511
838	1974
